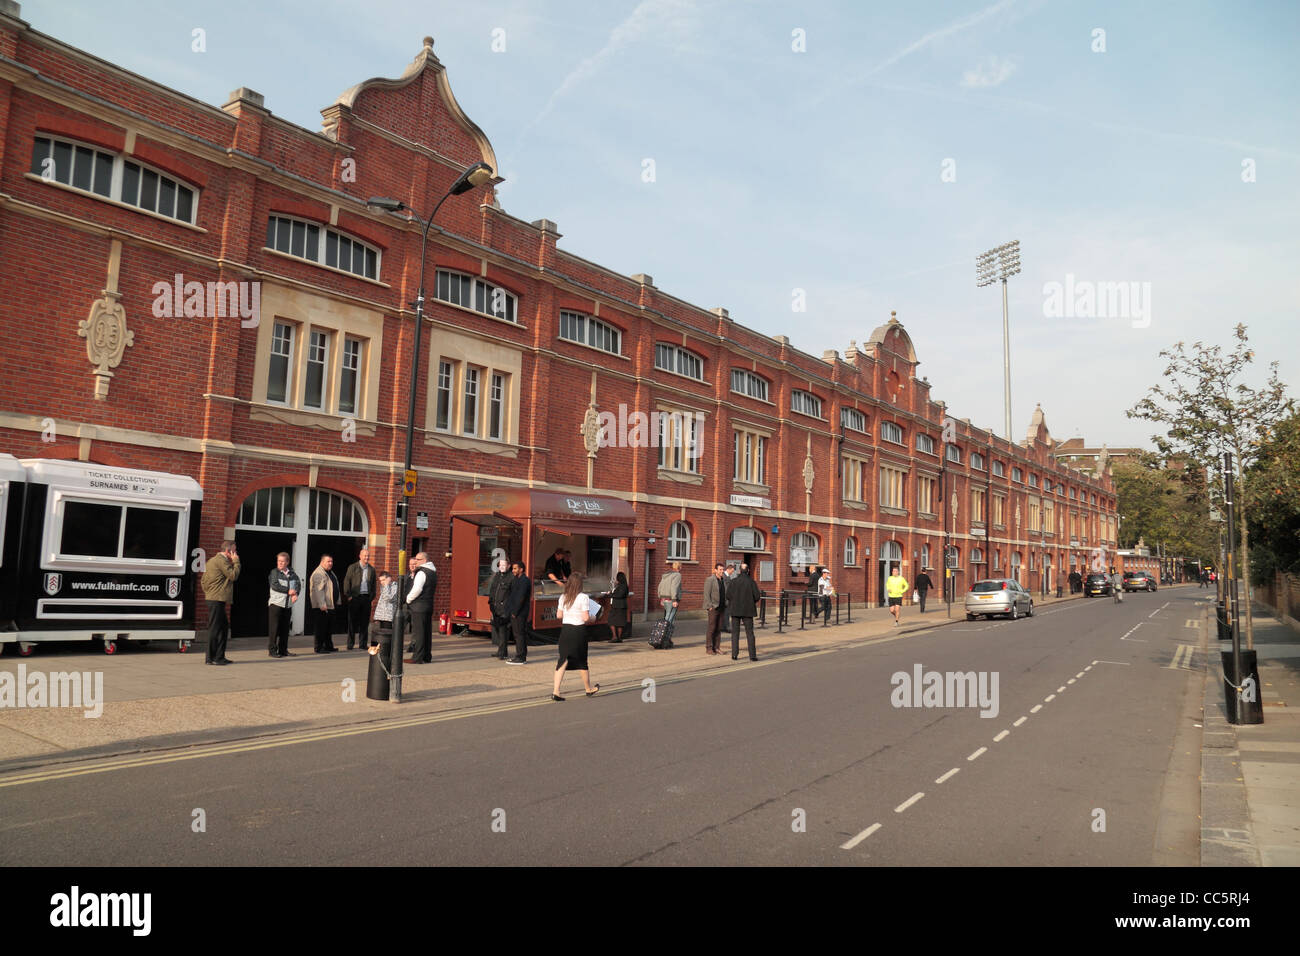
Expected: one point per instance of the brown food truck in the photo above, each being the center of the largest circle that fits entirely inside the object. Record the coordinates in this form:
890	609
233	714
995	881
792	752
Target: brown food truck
491	523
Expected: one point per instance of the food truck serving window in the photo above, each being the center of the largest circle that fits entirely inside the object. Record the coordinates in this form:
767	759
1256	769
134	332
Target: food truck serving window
102	533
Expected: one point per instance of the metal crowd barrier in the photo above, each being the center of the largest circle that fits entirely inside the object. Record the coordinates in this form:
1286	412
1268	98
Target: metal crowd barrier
812	607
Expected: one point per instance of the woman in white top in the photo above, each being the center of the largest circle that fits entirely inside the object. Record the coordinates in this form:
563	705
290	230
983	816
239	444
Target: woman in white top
575	609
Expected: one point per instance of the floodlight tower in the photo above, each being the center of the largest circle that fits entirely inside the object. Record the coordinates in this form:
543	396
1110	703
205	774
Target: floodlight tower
1001	262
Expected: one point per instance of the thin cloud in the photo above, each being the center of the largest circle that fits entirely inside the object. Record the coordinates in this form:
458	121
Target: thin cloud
993	72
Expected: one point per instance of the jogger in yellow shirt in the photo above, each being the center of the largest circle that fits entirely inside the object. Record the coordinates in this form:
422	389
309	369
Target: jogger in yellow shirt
895	587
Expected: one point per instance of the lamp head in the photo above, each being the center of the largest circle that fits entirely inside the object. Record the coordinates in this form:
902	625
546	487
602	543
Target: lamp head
477	175
386	204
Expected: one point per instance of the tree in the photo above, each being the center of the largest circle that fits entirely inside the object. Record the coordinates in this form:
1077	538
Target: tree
1164	502
1274	499
1208	410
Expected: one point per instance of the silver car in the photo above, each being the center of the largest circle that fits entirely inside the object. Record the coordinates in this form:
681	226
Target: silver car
998	596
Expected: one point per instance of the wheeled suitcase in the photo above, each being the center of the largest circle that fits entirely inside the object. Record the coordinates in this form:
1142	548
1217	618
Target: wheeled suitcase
661	635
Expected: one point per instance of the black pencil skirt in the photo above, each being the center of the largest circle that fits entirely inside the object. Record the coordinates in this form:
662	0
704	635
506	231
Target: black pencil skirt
573	647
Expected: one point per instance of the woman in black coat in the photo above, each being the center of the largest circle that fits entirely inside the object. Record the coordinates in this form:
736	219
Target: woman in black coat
618	617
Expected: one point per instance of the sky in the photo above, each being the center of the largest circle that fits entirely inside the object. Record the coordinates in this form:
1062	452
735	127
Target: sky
852	159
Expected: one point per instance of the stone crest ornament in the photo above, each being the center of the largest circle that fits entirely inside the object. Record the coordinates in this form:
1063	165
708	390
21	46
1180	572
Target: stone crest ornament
808	474
590	430
107	339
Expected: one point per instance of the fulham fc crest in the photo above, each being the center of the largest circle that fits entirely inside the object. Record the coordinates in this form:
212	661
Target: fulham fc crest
173	587
52	583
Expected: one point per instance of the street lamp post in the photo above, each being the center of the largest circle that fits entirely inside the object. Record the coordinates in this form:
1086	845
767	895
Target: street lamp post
477	175
1001	262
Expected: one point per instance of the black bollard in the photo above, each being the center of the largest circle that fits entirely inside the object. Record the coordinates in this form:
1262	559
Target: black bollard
1240	708
377	678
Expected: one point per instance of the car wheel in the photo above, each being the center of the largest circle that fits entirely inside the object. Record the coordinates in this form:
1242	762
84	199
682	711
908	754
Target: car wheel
971	617
1030	612
1015	612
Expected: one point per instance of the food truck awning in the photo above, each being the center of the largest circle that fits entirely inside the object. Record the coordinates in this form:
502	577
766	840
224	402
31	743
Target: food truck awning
564	513
492	520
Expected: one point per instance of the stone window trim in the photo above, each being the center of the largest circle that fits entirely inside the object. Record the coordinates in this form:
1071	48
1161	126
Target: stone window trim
750	488
901	512
684	477
461	350
116	202
443	303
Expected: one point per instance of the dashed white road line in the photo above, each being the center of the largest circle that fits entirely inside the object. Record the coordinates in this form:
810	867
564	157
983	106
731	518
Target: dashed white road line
1002	736
949	775
860	837
982	750
1049	698
1088	668
1158	610
1036	708
1060	690
1131	630
1071	680
1019	722
1080	674
908	802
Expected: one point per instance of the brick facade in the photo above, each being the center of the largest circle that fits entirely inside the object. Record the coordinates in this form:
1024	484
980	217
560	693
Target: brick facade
183	398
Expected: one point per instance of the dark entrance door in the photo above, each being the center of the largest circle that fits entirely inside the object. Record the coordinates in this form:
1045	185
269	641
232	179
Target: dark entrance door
257	551
345	550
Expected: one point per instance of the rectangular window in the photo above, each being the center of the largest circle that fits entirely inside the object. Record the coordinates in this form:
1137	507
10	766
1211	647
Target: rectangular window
1015	474
317	362
100	530
977	506
496	406
999	470
853	472
891	487
469	416
977	461
443	422
350	379
1033	480
805	403
924	443
999	507
891	431
90	530
1034	522
953	453
925	495
750	450
679	448
277	376
150	534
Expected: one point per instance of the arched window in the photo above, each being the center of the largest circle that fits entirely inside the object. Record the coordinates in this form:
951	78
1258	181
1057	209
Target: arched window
976	556
850	552
803	549
746	539
925	556
891	551
679	541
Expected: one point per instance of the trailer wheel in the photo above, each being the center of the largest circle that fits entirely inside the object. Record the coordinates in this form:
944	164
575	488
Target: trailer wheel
110	647
25	649
183	646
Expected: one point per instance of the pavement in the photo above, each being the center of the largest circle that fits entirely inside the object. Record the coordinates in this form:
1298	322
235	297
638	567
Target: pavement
1250	784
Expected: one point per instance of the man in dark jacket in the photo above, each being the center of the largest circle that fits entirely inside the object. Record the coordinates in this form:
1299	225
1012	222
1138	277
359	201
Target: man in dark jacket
521	592
743	596
499	605
715	603
359	593
922	585
419	601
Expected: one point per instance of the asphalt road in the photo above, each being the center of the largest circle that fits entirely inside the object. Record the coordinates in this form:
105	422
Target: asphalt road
716	770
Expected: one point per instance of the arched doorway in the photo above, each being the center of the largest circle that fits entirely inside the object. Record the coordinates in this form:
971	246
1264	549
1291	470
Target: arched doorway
305	522
891	553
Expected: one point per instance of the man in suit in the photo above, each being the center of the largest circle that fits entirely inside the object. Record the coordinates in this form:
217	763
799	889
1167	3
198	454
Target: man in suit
742	601
499	605
284	589
359	592
219	577
419	601
715	603
520	601
325	597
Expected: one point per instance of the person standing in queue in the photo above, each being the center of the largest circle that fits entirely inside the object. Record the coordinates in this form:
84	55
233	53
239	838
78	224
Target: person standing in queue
618	614
895	587
325	595
219	577
419	601
358	593
923	585
826	590
285	586
670	591
715	604
575	610
381	628
743	596
521	594
499	606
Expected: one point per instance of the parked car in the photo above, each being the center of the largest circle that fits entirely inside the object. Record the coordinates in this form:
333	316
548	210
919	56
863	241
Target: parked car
1139	581
998	596
1098	585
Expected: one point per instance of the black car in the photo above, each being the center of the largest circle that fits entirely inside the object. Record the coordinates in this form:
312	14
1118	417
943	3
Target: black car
1139	581
1097	585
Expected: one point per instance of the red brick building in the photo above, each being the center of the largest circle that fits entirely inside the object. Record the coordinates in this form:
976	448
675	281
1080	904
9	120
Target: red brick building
203	290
